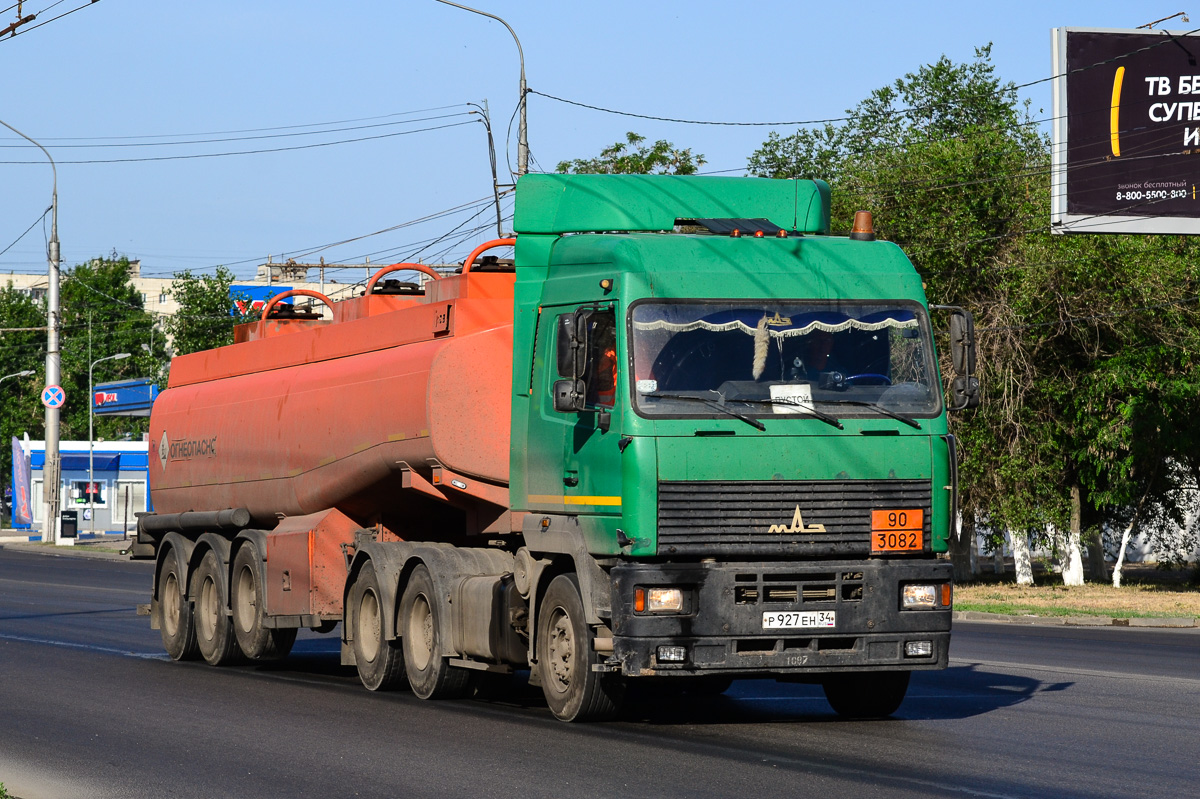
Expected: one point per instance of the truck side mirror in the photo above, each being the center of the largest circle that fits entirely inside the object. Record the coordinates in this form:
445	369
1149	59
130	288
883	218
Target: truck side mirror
962	342
964	391
571	343
569	395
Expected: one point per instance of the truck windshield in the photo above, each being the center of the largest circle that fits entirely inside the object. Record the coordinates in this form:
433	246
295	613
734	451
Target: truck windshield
837	359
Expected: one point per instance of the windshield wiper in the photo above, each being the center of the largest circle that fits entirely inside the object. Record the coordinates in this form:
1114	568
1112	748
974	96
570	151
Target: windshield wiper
898	416
808	409
718	404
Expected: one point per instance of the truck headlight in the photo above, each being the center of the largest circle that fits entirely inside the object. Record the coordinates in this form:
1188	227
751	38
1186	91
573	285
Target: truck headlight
919	597
658	600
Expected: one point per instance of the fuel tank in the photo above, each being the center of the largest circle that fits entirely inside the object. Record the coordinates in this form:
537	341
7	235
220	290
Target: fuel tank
364	413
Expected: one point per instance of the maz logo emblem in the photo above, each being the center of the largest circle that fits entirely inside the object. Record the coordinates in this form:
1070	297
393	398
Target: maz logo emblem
798	525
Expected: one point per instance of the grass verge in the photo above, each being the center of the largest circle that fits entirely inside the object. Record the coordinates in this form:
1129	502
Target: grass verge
1048	597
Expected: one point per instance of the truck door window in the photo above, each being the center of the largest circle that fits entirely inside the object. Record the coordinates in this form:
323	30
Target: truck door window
601	369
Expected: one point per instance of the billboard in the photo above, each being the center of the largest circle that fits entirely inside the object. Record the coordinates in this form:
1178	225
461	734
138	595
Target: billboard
247	298
124	398
1126	133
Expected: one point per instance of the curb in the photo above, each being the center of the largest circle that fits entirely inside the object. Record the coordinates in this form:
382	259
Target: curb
1176	622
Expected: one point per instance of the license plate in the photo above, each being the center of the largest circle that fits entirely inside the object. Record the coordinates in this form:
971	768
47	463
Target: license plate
797	620
900	530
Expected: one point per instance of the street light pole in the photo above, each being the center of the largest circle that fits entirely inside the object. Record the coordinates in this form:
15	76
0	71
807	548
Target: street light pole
91	446
52	471
522	128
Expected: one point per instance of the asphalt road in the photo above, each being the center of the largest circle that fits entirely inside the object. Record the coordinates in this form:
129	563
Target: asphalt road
90	707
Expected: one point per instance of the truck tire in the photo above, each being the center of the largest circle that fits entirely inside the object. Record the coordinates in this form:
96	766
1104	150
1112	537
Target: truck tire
380	662
256	640
871	695
176	622
565	656
430	675
214	627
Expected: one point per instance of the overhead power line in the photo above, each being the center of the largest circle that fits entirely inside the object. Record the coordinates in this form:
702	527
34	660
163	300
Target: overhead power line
192	156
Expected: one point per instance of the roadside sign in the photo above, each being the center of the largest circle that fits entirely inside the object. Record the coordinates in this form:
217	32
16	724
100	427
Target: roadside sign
53	396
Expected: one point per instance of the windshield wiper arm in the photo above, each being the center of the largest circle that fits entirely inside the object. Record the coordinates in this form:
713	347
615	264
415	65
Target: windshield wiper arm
824	417
718	404
898	416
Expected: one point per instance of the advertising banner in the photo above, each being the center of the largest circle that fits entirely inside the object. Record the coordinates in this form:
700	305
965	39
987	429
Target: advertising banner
1126	149
22	511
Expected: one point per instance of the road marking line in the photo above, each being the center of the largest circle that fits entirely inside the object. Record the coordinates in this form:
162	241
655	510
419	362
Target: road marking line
88	647
1120	675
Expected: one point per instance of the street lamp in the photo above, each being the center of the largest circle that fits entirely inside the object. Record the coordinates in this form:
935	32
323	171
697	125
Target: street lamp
25	373
91	447
522	129
52	472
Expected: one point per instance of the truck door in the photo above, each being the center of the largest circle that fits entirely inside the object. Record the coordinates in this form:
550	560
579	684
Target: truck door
591	458
574	462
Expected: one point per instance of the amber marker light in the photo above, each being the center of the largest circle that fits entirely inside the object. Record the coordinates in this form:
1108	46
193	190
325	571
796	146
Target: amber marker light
782	234
639	600
947	594
758	234
735	233
864	227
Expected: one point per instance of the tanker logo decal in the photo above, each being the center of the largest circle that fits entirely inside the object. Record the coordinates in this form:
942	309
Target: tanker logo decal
798	525
183	449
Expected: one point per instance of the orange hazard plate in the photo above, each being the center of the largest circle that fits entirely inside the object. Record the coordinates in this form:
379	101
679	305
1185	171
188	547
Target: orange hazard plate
897	530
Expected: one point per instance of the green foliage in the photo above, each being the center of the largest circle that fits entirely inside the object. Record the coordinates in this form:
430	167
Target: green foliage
206	315
21	410
663	158
102	314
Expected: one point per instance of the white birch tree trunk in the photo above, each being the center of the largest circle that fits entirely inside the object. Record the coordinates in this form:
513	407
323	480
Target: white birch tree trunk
1022	563
1116	573
1072	572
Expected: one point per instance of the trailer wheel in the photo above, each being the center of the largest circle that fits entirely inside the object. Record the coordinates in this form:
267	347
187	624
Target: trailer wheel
176	622
380	662
429	674
873	695
565	656
214	627
255	639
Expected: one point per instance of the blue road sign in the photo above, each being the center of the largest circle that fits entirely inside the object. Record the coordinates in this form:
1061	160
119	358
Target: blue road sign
53	396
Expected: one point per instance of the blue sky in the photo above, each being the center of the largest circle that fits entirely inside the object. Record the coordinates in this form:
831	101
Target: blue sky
120	71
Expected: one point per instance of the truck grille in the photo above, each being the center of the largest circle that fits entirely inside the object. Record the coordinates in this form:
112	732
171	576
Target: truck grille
735	518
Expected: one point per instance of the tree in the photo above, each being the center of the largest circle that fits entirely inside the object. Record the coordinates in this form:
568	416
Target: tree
102	314
20	350
663	158
207	313
1088	344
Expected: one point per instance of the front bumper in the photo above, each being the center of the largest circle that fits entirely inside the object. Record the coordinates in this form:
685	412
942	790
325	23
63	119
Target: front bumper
722	631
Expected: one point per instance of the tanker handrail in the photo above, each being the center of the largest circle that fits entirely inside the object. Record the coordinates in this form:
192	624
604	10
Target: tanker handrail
270	306
422	268
487	245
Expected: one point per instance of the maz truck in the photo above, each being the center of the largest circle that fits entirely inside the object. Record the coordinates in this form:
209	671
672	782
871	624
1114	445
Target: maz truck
684	435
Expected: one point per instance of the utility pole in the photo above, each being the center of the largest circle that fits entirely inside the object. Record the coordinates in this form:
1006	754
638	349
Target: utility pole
522	128
52	471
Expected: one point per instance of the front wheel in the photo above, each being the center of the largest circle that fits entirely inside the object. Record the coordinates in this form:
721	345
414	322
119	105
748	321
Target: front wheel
866	695
565	656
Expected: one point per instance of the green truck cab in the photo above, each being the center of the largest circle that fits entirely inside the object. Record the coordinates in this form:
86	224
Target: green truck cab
736	423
